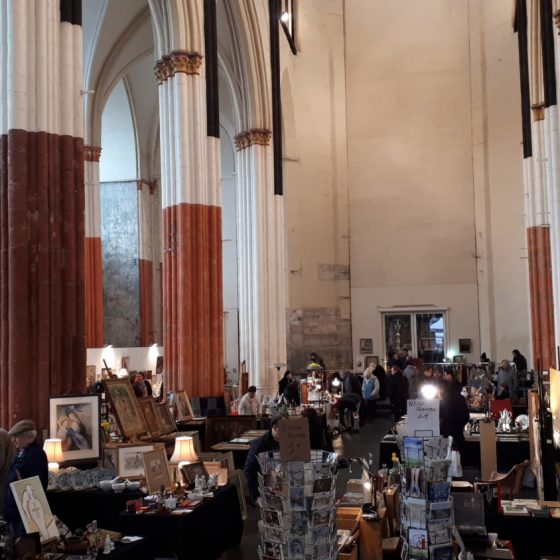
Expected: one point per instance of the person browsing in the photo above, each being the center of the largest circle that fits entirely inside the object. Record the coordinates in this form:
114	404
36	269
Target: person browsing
249	403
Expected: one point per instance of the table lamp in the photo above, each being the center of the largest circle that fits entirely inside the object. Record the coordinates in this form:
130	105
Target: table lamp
184	452
53	450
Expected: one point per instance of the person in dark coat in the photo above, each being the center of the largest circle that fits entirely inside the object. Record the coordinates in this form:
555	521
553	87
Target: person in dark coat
267	442
291	394
398	392
30	460
381	375
283	383
350	402
453	414
318	434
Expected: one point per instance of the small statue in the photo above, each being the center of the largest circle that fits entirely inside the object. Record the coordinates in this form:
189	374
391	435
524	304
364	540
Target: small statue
109	545
199	483
213	481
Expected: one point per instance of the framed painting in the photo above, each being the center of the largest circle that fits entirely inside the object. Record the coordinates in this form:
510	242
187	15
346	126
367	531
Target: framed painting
371	361
130	461
465	345
148	407
183	406
34	508
91	375
156	469
191	470
165	420
214	467
238	480
159	364
125	404
225	428
366	345
225	459
75	421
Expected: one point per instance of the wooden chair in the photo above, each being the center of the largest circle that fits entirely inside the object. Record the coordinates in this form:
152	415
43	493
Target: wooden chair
510	482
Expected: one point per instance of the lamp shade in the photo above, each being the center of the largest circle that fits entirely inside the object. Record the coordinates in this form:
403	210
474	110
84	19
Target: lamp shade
184	450
53	450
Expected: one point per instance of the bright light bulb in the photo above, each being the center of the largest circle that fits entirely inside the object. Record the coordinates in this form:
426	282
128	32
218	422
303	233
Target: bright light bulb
335	382
285	17
450	354
429	391
367	485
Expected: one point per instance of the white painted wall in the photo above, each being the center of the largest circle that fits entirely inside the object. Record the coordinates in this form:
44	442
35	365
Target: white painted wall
141	358
118	158
420	144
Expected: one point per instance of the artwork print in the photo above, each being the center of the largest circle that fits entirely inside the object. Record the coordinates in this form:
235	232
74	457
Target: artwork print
124	402
34	508
75	421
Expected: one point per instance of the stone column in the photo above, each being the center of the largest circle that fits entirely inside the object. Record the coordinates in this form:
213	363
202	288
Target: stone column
42	295
93	262
192	216
262	307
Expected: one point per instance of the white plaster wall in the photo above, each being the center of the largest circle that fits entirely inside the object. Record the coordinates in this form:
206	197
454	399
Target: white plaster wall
141	358
118	158
412	136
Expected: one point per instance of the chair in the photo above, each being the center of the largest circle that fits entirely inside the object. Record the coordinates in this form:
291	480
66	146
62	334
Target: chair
510	482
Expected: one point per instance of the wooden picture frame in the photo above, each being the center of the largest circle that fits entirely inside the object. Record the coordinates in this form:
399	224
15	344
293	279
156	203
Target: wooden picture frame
191	470
465	345
238	480
371	361
366	345
148	407
125	404
183	405
130	463
224	458
226	428
166	423
215	467
156	469
75	420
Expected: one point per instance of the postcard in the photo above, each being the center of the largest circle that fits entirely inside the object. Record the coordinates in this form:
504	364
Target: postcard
418	543
322	485
414	451
272	517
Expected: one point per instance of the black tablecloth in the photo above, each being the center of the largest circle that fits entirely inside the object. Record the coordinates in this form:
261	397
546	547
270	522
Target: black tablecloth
79	508
213	527
531	537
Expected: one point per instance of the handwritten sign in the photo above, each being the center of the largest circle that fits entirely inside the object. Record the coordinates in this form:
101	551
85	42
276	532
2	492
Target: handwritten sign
294	439
422	417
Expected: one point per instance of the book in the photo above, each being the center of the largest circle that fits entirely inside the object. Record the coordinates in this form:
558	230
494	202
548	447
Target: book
512	509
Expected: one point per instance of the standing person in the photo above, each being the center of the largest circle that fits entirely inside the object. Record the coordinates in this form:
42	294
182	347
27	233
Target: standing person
381	375
411	374
30	460
249	403
7	451
370	391
353	385
291	394
507	381
453	414
398	392
315	362
267	442
519	360
283	383
349	402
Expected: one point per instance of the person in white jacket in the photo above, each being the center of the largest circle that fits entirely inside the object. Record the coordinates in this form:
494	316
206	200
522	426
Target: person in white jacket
249	403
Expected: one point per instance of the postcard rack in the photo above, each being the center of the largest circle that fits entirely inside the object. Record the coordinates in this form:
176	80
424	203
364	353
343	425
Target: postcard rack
298	513
426	522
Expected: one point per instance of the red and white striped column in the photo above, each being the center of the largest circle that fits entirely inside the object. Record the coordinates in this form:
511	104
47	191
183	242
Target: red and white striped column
42	296
192	216
93	256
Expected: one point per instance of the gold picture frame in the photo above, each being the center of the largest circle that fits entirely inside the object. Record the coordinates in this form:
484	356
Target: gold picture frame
125	405
148	407
224	458
156	468
166	423
183	405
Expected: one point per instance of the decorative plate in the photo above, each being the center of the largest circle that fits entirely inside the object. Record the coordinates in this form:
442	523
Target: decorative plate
523	421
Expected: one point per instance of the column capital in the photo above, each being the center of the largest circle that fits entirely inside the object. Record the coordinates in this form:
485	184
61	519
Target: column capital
152	185
163	70
259	136
186	62
92	153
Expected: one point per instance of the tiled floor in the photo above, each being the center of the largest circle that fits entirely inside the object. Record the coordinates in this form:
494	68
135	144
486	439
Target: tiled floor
356	444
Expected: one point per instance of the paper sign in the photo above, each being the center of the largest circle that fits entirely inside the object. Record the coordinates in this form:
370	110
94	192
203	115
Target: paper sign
294	439
422	417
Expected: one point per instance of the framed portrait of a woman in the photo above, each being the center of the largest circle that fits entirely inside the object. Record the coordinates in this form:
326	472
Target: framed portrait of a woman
75	421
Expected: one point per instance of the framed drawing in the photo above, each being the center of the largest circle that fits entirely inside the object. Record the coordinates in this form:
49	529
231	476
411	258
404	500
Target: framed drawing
183	406
156	469
366	345
159	364
110	459
75	420
238	480
92	375
34	508
225	459
125	363
125	405
130	460
148	407
191	470
166	423
371	361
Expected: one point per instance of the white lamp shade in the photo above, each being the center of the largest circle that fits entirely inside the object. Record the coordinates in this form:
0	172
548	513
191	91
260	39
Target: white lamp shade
184	450
53	450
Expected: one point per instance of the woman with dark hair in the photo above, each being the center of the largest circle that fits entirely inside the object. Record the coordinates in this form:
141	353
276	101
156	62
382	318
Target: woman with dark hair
381	375
398	392
283	383
291	394
453	414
